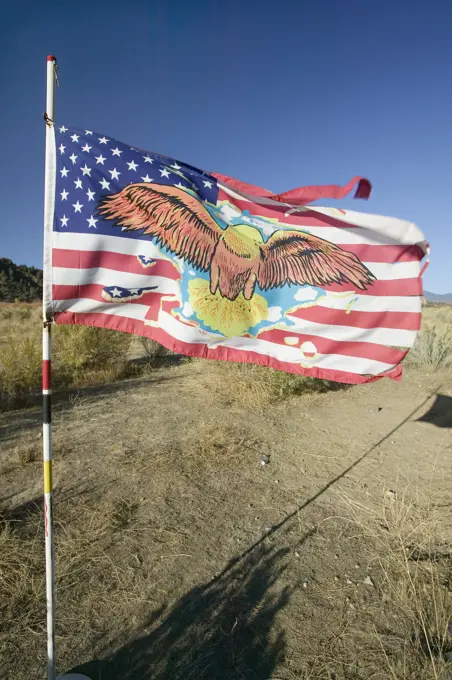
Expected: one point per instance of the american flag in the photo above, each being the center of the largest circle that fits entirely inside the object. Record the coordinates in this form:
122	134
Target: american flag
212	267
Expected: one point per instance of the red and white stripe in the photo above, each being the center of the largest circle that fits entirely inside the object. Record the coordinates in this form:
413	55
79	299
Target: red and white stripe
332	340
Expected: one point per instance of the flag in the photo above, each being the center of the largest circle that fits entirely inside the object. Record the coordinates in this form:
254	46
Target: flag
212	267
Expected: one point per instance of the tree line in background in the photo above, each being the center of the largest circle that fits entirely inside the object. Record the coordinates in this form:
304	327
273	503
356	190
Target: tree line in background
19	282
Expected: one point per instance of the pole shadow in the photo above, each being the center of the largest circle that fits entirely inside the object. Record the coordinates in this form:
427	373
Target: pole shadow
220	630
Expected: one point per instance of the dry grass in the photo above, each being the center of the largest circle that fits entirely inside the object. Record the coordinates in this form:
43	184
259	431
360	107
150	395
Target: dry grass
408	545
256	387
13	314
176	485
82	356
22	585
88	356
433	348
27	451
93	582
154	353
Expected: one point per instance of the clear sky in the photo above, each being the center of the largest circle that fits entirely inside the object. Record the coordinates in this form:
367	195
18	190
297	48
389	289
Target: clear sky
279	94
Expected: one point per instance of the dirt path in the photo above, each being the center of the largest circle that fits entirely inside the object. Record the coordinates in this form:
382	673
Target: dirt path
197	561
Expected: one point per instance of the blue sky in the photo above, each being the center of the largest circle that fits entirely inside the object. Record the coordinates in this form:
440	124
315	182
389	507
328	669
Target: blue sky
279	94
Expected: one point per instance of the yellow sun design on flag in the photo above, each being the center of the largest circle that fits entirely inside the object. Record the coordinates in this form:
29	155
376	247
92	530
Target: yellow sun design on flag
229	317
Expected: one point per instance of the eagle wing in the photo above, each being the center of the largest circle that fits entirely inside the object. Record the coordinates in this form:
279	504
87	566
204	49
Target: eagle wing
175	218
300	258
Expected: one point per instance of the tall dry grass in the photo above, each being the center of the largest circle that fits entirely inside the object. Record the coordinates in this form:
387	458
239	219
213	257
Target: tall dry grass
254	386
408	544
433	348
82	356
93	582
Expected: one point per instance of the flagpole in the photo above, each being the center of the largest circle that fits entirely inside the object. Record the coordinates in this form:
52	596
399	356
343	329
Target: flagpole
46	400
49	118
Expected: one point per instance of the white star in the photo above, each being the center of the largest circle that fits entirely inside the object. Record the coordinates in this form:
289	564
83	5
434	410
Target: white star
90	195
78	183
207	184
63	129
114	173
116	152
147	179
77	206
104	184
100	159
64	172
64	220
88	132
73	158
61	148
103	140
87	148
176	166
147	159
64	195
132	165
92	222
74	137
180	186
164	172
115	292
146	258
86	170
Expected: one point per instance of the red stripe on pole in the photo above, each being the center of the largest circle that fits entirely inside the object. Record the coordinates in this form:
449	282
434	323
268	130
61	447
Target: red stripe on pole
46	518
46	375
50	57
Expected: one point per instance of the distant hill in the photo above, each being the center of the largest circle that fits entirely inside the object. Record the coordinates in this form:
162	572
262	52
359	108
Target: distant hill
434	297
19	282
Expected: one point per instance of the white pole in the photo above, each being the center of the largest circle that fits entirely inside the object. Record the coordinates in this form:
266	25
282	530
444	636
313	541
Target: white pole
46	396
49	197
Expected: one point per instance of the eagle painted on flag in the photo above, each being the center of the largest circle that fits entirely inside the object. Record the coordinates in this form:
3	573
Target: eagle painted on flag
237	258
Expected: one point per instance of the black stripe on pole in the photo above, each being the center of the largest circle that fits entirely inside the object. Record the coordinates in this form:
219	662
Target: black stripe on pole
46	408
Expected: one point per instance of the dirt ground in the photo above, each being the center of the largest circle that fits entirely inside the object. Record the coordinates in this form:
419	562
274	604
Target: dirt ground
181	555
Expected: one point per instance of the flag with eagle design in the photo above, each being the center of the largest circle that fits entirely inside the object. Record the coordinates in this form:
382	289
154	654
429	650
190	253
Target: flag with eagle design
212	267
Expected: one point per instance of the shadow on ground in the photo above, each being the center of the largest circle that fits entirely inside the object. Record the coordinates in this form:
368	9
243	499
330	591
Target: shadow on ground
221	630
27	416
19	514
440	413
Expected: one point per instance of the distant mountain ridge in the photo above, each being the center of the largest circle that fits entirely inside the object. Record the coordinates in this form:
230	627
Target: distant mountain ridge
19	282
446	298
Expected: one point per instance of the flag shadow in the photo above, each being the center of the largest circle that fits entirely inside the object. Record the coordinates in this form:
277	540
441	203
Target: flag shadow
220	630
440	414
